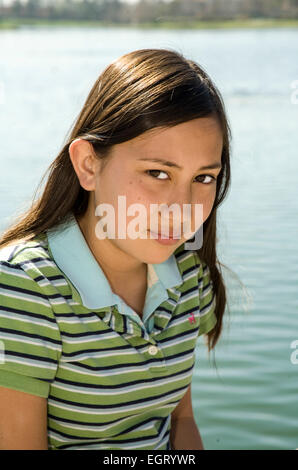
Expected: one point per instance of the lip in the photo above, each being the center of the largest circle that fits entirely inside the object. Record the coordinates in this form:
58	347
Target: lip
169	240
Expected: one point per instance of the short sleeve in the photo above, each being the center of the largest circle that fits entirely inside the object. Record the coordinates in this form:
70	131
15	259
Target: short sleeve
30	343
207	300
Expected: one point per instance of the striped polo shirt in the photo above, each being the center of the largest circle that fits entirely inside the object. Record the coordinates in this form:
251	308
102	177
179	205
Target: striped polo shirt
111	377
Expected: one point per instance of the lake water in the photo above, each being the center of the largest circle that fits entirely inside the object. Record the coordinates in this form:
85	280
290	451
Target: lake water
250	400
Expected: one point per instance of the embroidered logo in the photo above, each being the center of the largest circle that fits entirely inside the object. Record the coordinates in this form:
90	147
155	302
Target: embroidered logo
191	318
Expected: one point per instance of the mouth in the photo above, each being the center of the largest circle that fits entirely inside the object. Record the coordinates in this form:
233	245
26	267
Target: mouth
169	236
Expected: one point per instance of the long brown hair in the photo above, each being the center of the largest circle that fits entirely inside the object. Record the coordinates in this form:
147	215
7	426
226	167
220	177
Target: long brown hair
141	90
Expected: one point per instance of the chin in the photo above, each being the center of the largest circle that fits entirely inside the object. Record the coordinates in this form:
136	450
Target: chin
150	252
159	255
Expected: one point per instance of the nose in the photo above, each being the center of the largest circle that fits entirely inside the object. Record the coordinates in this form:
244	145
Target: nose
182	194
184	215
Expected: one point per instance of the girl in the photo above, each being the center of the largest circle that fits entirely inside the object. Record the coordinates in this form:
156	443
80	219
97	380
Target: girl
98	335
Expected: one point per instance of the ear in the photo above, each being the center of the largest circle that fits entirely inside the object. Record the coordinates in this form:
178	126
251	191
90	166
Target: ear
85	163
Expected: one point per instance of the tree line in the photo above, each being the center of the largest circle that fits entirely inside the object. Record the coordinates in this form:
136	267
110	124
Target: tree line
119	11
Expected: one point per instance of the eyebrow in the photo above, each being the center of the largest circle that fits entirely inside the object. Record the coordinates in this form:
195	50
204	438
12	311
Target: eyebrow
212	166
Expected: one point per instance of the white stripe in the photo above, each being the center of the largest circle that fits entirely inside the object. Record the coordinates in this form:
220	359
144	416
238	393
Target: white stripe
21	339
211	306
43	365
125	370
94	338
190	275
185	257
193	334
108	427
45	263
27	319
124	390
188	297
74	320
206	292
119	409
96	355
13	272
27	298
97	446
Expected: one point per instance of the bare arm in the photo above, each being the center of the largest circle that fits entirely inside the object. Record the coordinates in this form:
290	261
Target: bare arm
184	432
23	421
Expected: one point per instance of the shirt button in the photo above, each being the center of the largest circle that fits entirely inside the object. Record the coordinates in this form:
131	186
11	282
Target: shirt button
152	350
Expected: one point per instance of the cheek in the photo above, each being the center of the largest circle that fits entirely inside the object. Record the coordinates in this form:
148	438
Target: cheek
138	193
111	184
135	197
208	203
108	190
105	194
206	198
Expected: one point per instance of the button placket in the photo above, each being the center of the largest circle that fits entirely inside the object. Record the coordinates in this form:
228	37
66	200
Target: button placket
155	351
135	326
159	364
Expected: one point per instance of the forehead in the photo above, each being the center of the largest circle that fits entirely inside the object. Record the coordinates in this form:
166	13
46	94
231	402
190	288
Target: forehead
201	136
207	127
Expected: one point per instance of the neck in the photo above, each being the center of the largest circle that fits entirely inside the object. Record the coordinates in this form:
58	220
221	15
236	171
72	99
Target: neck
115	263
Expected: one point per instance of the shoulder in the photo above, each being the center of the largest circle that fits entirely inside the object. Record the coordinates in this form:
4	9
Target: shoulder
29	334
23	269
25	250
30	256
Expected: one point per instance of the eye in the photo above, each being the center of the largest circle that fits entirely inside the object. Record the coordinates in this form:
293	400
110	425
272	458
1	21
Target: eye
213	179
158	171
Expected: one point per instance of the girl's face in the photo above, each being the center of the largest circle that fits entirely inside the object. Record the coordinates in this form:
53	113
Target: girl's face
130	172
180	177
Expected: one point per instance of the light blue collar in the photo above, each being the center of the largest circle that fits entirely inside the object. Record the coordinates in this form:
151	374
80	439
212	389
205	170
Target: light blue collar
75	259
